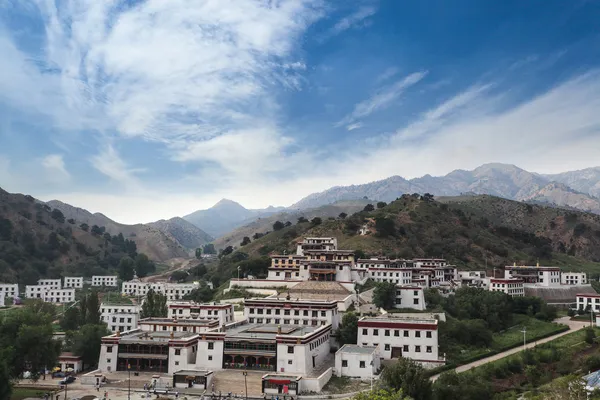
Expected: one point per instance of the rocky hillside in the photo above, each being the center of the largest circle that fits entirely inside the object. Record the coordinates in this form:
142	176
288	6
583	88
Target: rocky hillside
156	244
37	241
470	231
502	180
226	216
264	225
187	234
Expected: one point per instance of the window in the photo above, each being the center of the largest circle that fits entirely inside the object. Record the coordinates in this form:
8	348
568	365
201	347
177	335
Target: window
177	352
415	301
405	333
211	345
362	364
387	347
290	349
387	332
396	333
323	314
428	334
109	349
429	349
176	362
344	363
108	361
417	349
252	311
416	293
405	348
375	332
209	358
417	333
289	362
296	312
365	331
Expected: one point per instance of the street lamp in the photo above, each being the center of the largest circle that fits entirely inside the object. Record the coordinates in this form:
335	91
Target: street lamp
524	337
129	382
238	268
246	381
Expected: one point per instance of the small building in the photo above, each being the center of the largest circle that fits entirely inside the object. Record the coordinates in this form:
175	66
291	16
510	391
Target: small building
177	325
274	384
73	282
69	362
573	278
50	283
588	301
120	317
410	297
224	313
534	274
192	379
472	278
357	361
512	287
9	290
397	335
292	312
104	280
49	295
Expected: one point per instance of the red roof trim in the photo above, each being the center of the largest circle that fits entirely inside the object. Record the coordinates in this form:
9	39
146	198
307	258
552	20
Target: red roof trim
397	325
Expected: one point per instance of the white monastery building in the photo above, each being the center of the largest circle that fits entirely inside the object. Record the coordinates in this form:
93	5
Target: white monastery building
357	361
410	297
573	278
292	312
49	295
224	313
414	337
104	280
73	282
512	287
583	301
120	317
50	283
534	274
173	291
9	290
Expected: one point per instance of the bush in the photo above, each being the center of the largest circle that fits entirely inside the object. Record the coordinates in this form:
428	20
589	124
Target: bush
590	335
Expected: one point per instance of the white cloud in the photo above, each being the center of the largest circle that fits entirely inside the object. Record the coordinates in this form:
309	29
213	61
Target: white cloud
354	126
109	163
55	166
382	99
387	74
352	20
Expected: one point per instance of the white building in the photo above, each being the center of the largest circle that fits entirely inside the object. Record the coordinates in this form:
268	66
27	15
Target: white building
73	282
424	272
583	301
410	297
224	313
173	291
473	278
292	312
177	325
414	337
534	275
573	278
316	243
50	283
104	280
357	361
512	287
120	317
49	295
9	290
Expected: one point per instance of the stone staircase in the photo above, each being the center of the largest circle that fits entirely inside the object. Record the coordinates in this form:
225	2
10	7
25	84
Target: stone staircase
231	380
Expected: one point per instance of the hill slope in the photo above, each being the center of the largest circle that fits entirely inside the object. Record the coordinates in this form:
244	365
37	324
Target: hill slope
157	245
264	225
38	242
502	180
470	231
186	233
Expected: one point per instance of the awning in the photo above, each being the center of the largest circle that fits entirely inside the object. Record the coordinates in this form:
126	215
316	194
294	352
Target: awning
279	381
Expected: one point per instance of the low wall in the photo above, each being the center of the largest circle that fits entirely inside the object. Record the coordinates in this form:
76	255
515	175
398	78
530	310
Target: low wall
316	384
90	377
232	301
261	283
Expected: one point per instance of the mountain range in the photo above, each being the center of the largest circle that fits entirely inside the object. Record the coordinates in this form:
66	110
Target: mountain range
575	189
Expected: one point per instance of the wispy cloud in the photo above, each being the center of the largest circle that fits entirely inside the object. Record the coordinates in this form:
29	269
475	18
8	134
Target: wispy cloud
352	20
55	166
387	74
354	126
382	99
109	162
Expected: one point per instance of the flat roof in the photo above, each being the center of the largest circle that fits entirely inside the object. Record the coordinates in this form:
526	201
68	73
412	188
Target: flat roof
193	372
283	300
158	336
268	331
353	348
179	321
413	318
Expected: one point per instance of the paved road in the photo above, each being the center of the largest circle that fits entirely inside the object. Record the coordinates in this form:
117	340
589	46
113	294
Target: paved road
573	326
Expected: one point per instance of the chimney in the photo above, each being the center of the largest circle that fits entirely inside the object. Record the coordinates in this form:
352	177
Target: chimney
279	329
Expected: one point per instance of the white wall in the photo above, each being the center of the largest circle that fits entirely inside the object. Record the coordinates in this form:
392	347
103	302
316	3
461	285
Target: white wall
315	384
408	344
108	361
203	356
9	289
185	360
353	368
261	283
302	357
73	282
407	297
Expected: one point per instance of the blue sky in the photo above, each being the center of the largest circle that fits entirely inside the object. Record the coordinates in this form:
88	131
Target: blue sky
150	109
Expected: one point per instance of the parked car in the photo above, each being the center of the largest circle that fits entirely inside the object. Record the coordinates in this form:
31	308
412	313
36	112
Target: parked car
68	379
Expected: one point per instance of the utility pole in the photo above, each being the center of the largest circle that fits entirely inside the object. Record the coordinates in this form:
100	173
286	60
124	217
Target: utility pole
591	316
371	364
238	268
129	382
246	382
524	337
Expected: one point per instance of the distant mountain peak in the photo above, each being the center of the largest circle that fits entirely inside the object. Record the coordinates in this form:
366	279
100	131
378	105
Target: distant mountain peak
227	203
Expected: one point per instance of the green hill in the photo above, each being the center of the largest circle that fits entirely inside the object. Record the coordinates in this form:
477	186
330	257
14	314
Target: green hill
469	231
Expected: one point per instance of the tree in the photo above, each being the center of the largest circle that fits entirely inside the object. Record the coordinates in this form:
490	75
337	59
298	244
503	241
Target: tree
381	394
381	204
245	241
143	265
82	310
342	215
87	342
385	227
5	384
278	225
179	276
126	268
198	253
209	248
316	221
70	319
92	313
155	305
198	271
590	335
288	223
384	295
85	227
201	295
5	229
428	197
359	254
453	386
369	207
226	251
302	219
408	376
348	331
57	215
257	235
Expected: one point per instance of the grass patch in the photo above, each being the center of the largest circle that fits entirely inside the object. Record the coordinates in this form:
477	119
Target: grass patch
115	299
23	393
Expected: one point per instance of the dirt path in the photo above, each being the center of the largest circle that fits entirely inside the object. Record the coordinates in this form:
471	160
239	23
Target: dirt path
175	264
573	326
